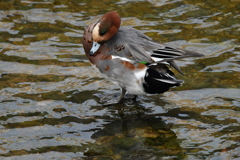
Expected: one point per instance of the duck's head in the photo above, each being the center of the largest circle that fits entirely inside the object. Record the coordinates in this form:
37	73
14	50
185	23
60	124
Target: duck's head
104	29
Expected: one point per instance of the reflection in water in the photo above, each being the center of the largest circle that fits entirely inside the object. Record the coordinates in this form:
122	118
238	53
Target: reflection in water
133	134
49	102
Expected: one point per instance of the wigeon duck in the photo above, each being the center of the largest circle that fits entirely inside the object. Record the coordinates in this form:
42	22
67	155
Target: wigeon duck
130	59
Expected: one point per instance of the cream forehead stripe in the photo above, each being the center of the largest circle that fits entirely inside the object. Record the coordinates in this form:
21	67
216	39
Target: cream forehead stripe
95	32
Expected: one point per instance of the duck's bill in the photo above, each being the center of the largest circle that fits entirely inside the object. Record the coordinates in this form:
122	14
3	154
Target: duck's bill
94	48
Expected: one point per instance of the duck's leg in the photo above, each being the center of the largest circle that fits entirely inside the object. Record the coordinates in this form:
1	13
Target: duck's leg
123	92
112	101
135	98
121	97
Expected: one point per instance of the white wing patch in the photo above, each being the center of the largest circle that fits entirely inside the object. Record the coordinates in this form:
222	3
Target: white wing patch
122	58
157	59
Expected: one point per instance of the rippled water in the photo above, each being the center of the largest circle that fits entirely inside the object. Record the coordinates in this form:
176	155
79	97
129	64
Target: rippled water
49	92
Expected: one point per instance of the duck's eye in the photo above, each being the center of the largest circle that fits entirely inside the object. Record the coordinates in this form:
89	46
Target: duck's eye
104	27
103	30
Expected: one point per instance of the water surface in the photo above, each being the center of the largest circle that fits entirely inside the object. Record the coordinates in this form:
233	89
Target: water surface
50	94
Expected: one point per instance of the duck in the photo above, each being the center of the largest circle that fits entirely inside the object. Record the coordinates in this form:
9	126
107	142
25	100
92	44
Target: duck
130	59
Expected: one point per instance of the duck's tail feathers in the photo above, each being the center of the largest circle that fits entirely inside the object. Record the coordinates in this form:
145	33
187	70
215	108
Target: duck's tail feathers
159	79
191	54
174	65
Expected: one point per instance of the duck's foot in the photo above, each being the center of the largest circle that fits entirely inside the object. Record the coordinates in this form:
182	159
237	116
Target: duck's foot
131	97
111	100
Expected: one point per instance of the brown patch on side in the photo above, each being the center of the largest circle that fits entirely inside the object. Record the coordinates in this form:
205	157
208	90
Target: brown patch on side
128	65
107	68
141	66
106	57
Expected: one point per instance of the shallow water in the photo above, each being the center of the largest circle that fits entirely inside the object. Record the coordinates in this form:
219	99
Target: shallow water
49	92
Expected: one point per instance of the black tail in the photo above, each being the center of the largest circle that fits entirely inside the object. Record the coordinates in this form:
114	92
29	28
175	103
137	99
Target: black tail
159	79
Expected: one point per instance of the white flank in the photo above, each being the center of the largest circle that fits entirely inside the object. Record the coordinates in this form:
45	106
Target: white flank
140	74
